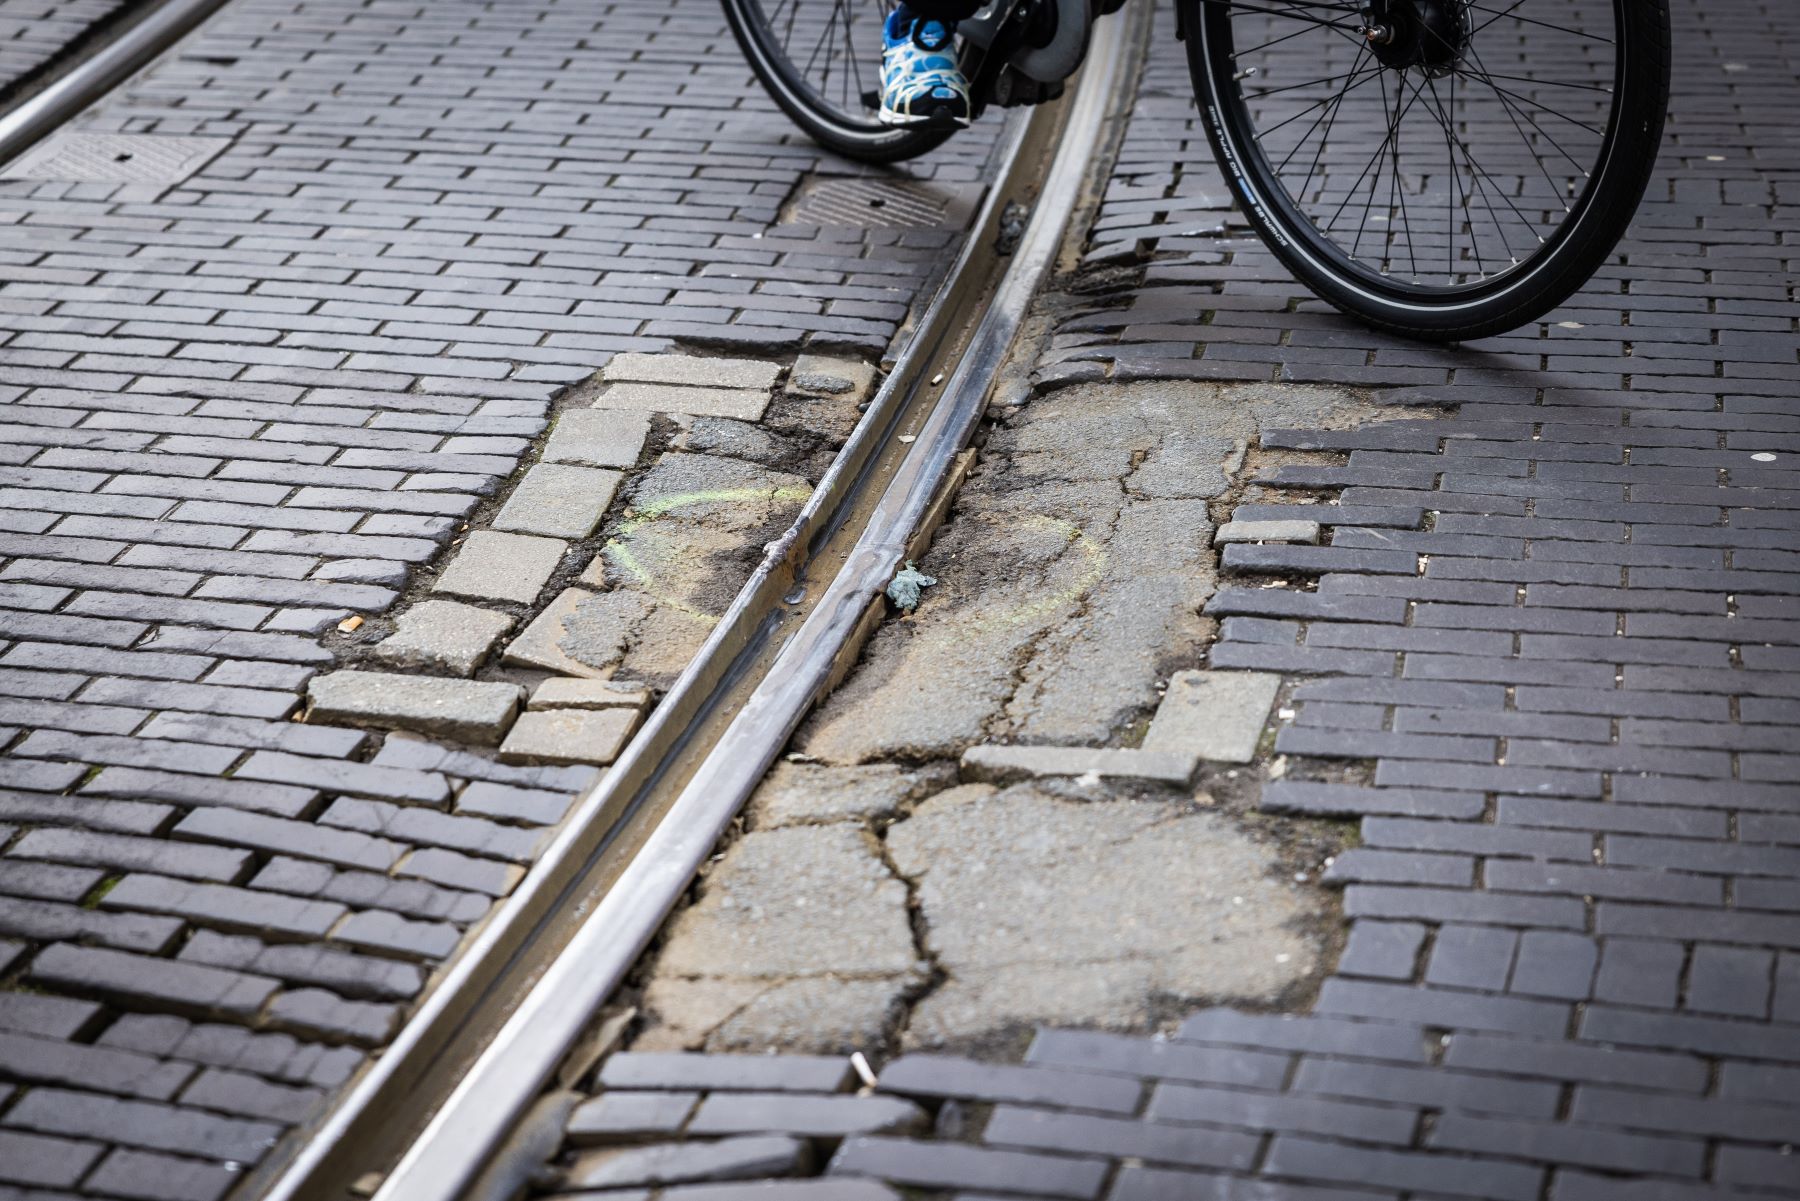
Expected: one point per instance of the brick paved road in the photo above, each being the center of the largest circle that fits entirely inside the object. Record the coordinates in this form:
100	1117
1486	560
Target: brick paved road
242	407
34	33
1546	661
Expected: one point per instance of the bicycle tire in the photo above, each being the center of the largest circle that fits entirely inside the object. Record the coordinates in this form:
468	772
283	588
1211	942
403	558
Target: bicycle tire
835	126
1565	258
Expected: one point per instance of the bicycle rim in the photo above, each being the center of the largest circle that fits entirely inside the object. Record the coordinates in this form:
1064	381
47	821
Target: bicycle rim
1432	156
821	57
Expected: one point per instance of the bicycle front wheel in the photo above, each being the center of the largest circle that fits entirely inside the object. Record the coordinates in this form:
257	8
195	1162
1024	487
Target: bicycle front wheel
820	60
1443	169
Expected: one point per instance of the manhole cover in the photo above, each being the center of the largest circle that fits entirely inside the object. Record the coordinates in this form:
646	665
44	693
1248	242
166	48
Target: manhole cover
881	203
114	158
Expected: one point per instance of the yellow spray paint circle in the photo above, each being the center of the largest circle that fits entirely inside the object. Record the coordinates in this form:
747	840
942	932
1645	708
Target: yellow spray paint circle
641	552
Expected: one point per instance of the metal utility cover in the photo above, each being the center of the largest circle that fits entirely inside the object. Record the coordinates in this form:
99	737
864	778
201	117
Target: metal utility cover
881	203
71	157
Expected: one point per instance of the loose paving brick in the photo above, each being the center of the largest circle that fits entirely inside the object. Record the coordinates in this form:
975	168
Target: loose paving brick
569	736
598	438
468	710
559	501
747	1158
491	565
692	370
587	694
443	636
741	404
1215	716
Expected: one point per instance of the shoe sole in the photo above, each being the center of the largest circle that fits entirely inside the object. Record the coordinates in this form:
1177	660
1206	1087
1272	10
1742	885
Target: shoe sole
940	118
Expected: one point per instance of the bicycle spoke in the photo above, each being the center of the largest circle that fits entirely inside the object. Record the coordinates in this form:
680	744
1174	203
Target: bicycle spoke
1472	151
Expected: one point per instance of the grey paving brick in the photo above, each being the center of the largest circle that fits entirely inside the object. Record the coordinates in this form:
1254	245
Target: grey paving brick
44	921
469	710
279	799
677	1163
100	1069
597	438
33	1159
1124	1055
630	1116
223	906
1384	950
129	853
417	826
368	889
569	736
317	1013
302	839
443	636
145	1176
1317	1159
829	1115
723	1073
949	1165
491	565
141	1124
1015	1126
306	964
359	779
941	1076
558	501
243	1094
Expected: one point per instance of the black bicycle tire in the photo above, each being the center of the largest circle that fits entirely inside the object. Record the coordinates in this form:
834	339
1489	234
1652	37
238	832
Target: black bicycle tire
784	87
1569	259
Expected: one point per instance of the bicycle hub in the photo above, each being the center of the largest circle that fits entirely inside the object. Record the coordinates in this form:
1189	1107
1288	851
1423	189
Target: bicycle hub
1427	34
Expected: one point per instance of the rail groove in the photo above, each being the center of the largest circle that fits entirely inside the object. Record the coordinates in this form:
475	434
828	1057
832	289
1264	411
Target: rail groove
426	1118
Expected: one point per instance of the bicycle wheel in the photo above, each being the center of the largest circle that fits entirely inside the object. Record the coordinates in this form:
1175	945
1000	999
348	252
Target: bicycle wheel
1444	169
820	61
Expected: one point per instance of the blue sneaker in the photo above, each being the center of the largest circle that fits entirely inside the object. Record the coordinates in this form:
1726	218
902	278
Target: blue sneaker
921	84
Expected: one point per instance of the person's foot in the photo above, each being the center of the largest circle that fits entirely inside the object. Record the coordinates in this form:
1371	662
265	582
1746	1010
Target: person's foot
921	84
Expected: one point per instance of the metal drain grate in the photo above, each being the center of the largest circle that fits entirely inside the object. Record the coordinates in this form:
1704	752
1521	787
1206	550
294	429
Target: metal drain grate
114	158
881	203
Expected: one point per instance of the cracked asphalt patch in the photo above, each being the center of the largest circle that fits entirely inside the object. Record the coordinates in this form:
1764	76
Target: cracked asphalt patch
1069	910
875	905
1071	576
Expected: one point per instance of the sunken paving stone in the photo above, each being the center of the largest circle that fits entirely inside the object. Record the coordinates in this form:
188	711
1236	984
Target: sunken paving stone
443	636
569	736
558	500
727	1073
930	1165
822	375
1005	764
580	633
462	709
1217	716
741	404
615	1117
557	693
827	1116
1267	531
747	1158
693	370
597	438
490	565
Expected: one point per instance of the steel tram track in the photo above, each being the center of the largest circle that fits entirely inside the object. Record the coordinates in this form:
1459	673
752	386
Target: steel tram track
432	1112
492	1037
67	90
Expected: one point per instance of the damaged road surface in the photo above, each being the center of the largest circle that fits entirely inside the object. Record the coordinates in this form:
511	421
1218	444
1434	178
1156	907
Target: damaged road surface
877	902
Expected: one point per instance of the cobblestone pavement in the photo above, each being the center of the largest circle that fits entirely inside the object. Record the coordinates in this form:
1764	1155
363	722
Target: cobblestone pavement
1537	653
34	33
240	409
